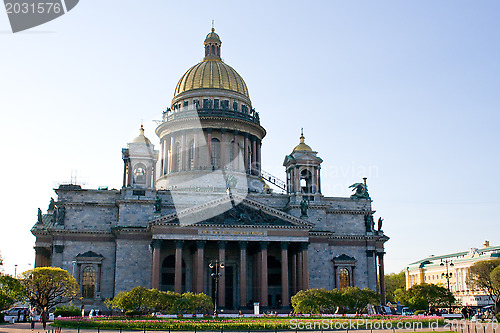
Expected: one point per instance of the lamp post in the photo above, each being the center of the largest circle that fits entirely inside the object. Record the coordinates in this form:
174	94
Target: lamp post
216	266
73	273
448	274
15	270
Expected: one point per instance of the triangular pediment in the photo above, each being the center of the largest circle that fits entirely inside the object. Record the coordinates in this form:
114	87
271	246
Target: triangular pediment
234	211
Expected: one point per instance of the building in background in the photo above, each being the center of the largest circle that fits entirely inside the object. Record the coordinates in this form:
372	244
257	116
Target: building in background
203	197
451	271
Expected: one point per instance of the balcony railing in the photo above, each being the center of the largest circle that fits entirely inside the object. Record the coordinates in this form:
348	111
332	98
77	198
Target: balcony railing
252	115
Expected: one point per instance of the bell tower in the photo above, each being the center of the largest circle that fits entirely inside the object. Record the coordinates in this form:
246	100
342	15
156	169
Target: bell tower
139	161
303	172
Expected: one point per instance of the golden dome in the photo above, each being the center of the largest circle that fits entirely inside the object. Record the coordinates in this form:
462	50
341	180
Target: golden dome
302	145
212	72
212	37
141	138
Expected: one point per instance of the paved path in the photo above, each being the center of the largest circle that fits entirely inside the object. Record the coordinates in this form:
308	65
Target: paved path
463	327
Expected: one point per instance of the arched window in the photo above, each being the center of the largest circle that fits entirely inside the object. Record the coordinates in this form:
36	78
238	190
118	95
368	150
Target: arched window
140	173
215	153
343	278
88	282
191	155
306	181
213	49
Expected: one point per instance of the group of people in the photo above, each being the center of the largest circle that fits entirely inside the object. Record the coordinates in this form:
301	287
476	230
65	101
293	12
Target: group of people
44	317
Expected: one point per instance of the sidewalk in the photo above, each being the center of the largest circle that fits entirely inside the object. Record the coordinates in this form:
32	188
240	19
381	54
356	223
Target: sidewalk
467	327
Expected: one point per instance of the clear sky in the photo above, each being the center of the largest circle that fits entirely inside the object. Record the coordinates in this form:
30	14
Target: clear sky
405	93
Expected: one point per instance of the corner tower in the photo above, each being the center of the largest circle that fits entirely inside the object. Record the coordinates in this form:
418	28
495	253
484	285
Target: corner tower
139	161
303	172
211	127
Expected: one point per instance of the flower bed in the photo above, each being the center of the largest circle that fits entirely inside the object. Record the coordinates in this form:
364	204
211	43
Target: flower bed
254	324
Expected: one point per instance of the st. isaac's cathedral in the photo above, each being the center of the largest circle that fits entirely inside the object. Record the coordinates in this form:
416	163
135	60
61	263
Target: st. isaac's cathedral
200	202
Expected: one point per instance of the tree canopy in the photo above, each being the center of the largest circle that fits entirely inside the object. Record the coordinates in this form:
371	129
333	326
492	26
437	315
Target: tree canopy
48	286
143	300
394	284
11	291
350	299
424	296
485	275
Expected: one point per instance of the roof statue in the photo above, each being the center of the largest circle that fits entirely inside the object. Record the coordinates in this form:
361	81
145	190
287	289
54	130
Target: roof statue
361	190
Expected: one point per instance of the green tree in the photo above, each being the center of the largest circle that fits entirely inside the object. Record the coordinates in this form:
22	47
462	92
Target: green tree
143	300
311	301
485	276
48	286
356	299
138	299
424	296
350	299
194	303
11	291
393	282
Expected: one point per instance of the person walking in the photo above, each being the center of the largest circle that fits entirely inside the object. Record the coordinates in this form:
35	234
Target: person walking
32	318
44	317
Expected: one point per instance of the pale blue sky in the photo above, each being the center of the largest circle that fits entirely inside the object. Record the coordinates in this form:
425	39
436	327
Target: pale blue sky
403	92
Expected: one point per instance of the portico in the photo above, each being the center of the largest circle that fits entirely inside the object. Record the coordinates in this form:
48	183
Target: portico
261	261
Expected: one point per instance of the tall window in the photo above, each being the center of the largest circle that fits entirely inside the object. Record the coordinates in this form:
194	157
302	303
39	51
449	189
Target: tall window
88	282
191	155
343	278
231	154
215	153
178	162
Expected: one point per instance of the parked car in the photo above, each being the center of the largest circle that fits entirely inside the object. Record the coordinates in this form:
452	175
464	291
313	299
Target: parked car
16	313
406	312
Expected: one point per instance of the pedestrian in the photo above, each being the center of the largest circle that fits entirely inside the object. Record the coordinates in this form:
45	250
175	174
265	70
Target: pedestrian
83	310
32	318
44	316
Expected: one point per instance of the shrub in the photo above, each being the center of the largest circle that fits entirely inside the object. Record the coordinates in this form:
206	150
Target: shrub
143	301
419	312
351	299
67	311
132	313
498	316
1	317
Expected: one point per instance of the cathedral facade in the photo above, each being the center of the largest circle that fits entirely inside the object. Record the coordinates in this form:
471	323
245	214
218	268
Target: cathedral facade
199	212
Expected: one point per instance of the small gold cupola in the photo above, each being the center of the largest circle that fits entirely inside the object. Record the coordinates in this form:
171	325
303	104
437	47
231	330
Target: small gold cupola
302	145
212	46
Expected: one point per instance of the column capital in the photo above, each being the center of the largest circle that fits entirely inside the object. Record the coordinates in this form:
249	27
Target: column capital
222	244
243	244
156	243
200	244
284	245
179	243
304	246
263	244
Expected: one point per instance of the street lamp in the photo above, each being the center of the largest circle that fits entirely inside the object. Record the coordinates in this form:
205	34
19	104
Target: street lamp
217	265
15	270
448	274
